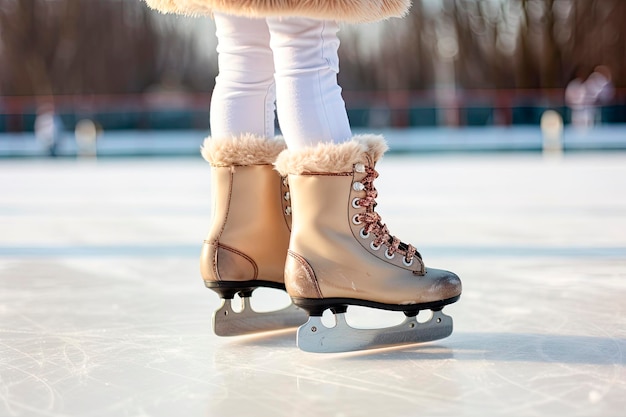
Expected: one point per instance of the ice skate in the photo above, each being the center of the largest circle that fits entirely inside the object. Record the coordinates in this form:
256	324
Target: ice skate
249	234
341	254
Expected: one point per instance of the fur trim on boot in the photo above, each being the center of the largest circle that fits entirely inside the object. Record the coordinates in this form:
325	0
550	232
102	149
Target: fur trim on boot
331	157
243	150
339	10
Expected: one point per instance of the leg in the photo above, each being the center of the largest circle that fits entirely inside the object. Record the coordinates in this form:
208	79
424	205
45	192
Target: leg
310	106
244	94
341	253
247	242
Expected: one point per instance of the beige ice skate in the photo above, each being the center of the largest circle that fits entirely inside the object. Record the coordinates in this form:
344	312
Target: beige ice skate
247	243
340	253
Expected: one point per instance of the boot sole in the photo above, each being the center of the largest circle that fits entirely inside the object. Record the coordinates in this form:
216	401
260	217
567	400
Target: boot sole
315	307
228	289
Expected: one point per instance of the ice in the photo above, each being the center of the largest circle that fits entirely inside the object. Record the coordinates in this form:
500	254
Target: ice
103	312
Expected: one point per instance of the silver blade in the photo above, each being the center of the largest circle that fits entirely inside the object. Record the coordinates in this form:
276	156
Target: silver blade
316	337
227	322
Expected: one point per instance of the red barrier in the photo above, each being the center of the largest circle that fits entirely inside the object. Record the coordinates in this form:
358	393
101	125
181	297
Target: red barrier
398	102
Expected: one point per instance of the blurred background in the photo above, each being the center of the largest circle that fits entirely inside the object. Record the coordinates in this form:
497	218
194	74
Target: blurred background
112	77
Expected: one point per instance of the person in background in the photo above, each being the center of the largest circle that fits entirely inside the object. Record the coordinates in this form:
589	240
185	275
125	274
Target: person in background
49	129
584	96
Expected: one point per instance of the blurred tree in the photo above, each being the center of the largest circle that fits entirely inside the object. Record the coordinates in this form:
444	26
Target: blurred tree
120	46
87	46
389	55
597	33
499	44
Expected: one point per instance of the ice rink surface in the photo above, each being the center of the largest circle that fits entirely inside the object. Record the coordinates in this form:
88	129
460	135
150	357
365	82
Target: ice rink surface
103	312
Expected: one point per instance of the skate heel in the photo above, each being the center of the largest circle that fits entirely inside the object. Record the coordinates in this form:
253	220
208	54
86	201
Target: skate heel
228	322
316	307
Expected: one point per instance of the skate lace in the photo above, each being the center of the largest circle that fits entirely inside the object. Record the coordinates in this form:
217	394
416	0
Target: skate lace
373	221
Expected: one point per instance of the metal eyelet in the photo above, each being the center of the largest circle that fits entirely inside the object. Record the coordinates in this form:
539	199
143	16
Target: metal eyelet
357	186
355	203
355	219
288	211
359	168
393	255
363	234
287	196
374	247
407	263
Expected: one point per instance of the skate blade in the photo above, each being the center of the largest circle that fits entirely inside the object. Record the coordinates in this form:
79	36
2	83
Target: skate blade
227	322
316	337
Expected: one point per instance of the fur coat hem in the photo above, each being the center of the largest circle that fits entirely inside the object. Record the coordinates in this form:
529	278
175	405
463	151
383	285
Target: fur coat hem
353	11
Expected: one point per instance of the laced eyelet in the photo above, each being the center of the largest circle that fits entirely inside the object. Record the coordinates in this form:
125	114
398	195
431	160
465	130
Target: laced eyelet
363	234
374	247
359	167
355	203
355	219
288	211
407	263
388	256
287	196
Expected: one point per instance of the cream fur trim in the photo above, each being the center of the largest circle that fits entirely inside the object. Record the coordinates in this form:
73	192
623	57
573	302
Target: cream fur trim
331	157
339	10
242	150
185	7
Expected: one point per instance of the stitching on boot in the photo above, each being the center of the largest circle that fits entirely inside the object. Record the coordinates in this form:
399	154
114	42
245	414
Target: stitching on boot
223	226
326	174
228	204
237	252
308	270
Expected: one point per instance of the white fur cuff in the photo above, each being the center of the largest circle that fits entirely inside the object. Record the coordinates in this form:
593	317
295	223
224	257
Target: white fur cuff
242	150
331	157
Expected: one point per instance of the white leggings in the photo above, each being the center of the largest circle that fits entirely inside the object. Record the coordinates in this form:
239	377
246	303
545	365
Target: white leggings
292	62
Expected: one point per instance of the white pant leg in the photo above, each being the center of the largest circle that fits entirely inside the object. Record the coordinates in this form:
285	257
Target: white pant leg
310	106
244	95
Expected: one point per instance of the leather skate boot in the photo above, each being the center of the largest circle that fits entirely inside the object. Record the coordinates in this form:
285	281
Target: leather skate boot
249	234
341	254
